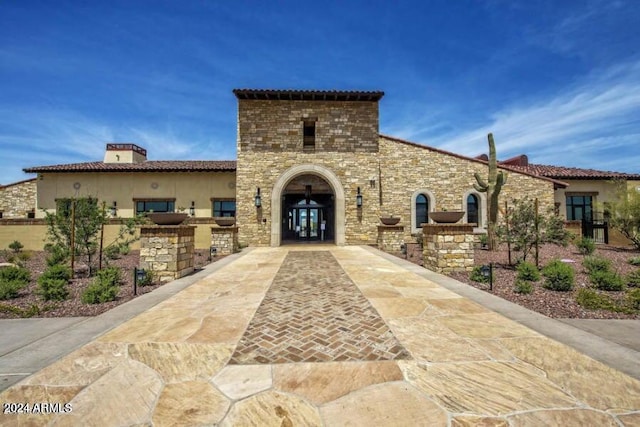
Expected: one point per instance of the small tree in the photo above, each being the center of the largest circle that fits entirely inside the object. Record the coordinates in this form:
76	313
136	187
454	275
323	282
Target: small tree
625	213
528	229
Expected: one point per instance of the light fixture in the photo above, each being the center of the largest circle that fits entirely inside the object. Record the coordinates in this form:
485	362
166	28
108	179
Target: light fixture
359	199
114	209
487	273
192	209
258	199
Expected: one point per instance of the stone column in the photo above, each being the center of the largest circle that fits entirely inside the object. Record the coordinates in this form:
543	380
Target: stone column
167	250
391	238
224	239
448	247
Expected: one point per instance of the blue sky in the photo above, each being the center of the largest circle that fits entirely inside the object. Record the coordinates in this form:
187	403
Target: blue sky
557	80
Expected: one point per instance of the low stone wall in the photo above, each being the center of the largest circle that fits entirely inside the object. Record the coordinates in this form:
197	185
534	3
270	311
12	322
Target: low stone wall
224	239
167	250
448	247
391	238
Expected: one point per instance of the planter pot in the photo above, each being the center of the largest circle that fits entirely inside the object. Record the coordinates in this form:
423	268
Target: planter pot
167	218
446	217
226	221
390	221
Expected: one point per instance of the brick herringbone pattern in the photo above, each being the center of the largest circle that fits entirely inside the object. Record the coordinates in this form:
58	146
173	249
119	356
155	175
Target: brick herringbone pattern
313	312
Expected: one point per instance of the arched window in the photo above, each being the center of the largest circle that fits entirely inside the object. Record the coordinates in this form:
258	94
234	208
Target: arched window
473	209
422	210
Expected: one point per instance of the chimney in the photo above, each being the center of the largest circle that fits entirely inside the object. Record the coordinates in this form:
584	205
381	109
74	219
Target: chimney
124	153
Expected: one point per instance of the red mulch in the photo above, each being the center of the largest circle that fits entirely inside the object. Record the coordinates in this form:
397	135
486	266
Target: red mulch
73	306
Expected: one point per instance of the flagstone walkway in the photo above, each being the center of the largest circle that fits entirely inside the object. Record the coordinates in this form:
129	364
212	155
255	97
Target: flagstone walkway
262	342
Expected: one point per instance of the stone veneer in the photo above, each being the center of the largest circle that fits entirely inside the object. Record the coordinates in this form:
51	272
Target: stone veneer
391	238
448	247
18	199
167	250
224	239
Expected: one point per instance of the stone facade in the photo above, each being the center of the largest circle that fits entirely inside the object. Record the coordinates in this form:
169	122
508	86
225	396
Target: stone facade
448	247
167	250
224	239
17	200
391	238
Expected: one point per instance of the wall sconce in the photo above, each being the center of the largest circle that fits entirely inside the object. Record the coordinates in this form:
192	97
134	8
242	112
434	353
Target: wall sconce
258	199
359	199
113	209
192	209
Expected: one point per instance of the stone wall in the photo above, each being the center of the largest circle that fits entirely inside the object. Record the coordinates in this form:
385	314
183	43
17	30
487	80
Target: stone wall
167	250
224	239
448	247
391	238
18	199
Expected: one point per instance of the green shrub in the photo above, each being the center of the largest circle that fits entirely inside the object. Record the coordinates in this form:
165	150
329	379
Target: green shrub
124	248
16	246
15	274
586	246
147	280
635	261
10	288
476	275
607	280
592	300
633	299
528	271
112	252
633	279
596	263
50	288
99	291
57	254
558	276
58	272
523	286
109	275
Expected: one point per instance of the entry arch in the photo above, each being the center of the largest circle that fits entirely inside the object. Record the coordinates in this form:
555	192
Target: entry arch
281	183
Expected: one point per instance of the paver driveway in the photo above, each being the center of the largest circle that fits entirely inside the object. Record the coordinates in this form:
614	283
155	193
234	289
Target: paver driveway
263	342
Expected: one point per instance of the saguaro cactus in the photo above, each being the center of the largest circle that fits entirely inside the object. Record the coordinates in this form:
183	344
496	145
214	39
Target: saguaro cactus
492	187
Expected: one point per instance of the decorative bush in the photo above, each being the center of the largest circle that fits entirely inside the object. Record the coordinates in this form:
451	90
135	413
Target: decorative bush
59	272
528	271
16	246
112	252
476	275
592	300
635	261
147	280
10	289
57	254
109	275
596	263
104	287
523	286
607	280
633	279
15	274
124	248
633	299
586	246
558	276
51	288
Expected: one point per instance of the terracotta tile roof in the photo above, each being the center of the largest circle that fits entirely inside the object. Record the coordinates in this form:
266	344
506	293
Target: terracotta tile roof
557	183
561	172
147	166
308	95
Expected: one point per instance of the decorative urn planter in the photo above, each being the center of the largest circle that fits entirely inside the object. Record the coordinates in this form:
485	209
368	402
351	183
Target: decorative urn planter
225	221
390	220
167	218
446	217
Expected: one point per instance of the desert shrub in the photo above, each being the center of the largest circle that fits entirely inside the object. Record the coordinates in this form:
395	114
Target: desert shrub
16	246
10	289
558	276
607	280
476	275
528	271
633	279
586	246
57	254
635	261
633	299
112	252
523	286
596	263
59	272
124	248
15	274
592	300
51	288
104	286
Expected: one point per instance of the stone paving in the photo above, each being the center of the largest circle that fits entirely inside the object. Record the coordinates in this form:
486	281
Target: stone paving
466	366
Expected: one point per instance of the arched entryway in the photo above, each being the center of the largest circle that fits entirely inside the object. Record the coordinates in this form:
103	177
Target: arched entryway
307	205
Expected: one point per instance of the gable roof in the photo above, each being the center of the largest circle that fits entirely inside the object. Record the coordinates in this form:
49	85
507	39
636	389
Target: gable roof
556	183
146	166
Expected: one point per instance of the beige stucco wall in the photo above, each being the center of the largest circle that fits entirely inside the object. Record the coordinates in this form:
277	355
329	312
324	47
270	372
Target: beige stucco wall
601	191
122	188
16	200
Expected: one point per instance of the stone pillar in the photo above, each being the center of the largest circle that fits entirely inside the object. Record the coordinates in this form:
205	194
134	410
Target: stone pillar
391	238
167	250
448	247
224	239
